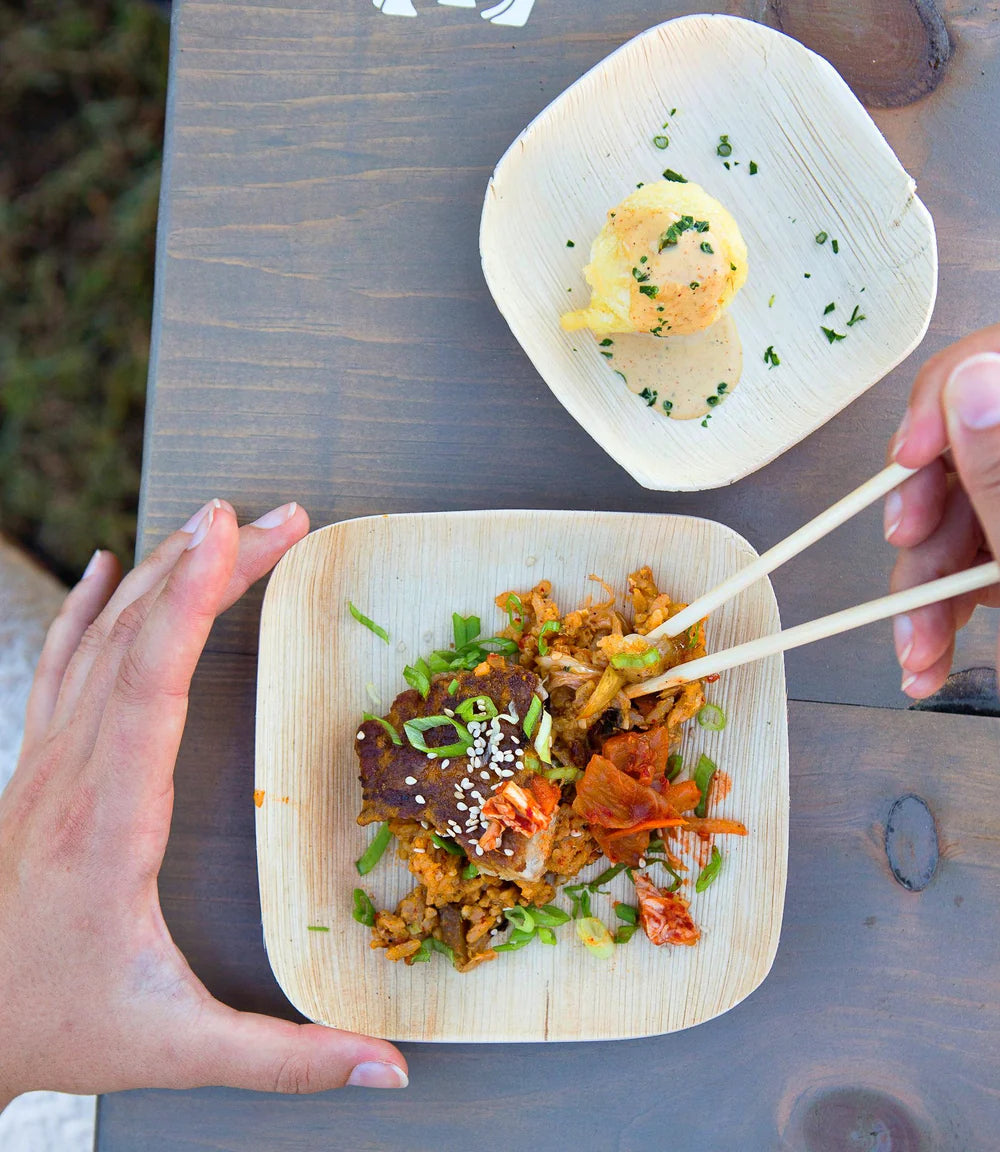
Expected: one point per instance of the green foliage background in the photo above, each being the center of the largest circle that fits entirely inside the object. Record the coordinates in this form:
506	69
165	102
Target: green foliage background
82	94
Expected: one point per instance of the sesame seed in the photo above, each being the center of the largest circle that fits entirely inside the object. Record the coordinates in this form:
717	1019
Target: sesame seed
508	851
424	824
410	780
466	782
642	861
361	736
479	849
445	763
448	711
484	775
417	849
431	755
462	807
420	799
514	740
478	795
576	832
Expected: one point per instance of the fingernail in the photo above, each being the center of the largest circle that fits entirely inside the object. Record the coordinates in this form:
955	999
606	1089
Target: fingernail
909	679
197	517
276	517
972	392
204	524
893	515
378	1075
902	634
900	438
91	566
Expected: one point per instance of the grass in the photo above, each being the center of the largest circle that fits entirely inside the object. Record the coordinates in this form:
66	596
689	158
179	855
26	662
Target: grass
82	93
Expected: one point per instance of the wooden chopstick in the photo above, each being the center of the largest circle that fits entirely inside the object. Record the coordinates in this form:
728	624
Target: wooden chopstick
879	485
944	589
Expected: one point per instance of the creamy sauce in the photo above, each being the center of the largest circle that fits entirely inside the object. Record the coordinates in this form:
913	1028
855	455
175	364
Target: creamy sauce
685	376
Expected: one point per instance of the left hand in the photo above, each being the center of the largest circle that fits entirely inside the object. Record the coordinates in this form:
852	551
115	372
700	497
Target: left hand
94	994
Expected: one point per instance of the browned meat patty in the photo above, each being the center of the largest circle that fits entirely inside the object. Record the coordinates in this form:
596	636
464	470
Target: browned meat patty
399	781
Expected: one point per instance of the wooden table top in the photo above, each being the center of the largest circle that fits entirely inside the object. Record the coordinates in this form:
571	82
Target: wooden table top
323	333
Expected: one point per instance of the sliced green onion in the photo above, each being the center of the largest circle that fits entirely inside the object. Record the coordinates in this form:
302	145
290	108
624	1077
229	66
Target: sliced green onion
414	728
543	739
703	773
627	912
676	177
531	717
477	708
515	611
706	247
547	936
835	246
549	916
373	853
317	928
368	622
520	917
710	871
674	764
393	734
832	336
453	687
625	932
364	909
499	644
449	846
465	629
856	316
712	717
660	142
596	937
437	662
548	626
422	955
606	876
579	897
470	872
635	659
753	167
665	864
418	678
724	147
561	774
517	939
820	237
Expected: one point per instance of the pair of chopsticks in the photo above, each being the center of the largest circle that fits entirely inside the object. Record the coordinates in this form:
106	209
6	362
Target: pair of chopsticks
930	593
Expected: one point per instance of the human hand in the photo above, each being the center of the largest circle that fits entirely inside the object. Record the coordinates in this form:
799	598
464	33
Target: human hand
94	994
946	517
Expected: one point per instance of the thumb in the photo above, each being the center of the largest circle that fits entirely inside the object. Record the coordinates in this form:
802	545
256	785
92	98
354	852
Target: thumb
972	410
263	1054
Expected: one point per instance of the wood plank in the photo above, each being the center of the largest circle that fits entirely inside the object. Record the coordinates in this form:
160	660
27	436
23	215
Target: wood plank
875	990
324	332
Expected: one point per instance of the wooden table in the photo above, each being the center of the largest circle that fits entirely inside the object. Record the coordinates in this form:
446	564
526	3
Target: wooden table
323	333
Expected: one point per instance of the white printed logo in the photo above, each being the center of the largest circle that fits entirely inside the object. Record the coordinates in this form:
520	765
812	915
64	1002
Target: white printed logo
511	13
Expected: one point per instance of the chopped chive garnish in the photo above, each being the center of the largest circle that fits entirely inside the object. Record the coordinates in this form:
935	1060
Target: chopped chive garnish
703	773
712	717
364	909
608	355
606	877
694	285
415	728
649	396
368	622
640	274
675	763
660	142
393	734
807	275
477	708
726	165
531	717
622	375
606	342
570	244
318	927
722	387
856	316
711	401
627	912
673	111
676	177
832	336
650	290
548	626
753	167
706	247
820	237
732	267
771	358
668	405
828	309
724	147
835	246
373	853
710	871
449	846
770	302
515	611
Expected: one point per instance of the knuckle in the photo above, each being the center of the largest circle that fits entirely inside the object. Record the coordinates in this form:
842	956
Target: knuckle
295	1075
136	681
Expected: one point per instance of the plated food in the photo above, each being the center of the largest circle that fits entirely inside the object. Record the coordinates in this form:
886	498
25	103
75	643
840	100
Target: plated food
319	671
842	256
516	760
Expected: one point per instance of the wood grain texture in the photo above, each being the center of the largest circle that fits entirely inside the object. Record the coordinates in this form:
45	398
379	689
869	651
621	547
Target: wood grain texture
410	573
822	168
323	331
874	988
